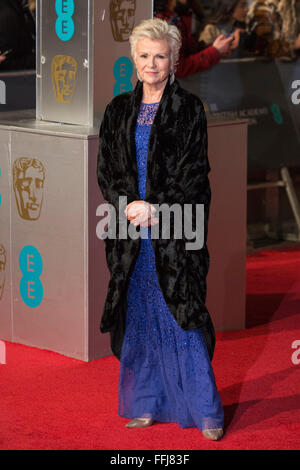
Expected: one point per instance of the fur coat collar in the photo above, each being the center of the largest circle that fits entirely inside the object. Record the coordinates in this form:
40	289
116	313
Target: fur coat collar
177	169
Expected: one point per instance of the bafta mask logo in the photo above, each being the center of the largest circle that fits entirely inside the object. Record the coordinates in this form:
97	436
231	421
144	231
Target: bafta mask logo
122	16
64	73
2	269
28	180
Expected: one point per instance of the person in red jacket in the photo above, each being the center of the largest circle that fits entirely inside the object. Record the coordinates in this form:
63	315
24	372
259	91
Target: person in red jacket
192	59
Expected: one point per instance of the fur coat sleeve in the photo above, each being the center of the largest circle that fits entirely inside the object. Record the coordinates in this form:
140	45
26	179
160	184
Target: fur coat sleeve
177	173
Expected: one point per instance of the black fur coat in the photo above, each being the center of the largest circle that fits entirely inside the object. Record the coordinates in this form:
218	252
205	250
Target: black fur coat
177	172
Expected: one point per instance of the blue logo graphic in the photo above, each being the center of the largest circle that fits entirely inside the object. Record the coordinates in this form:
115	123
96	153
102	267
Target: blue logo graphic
123	70
31	265
64	25
277	114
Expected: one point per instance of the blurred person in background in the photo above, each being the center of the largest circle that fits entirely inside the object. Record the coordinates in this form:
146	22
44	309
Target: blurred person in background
17	34
181	14
192	59
198	16
209	7
228	19
276	28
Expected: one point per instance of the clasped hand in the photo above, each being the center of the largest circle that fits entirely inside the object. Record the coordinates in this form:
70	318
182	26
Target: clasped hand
139	213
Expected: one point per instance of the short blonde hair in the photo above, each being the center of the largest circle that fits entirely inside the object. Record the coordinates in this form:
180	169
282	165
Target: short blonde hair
156	28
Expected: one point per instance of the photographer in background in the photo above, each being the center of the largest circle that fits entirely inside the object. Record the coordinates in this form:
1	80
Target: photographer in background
229	19
191	58
17	34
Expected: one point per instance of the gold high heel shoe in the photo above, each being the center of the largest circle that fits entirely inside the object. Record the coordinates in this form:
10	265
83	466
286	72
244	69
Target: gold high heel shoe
139	423
213	434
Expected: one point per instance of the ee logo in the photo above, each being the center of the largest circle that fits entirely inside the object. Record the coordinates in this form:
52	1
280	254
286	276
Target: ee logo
31	265
64	25
123	70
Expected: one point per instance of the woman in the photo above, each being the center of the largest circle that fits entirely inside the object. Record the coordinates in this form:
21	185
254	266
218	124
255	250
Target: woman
153	150
229	19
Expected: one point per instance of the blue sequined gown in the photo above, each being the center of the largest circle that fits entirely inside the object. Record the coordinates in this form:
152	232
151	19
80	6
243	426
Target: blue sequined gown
165	371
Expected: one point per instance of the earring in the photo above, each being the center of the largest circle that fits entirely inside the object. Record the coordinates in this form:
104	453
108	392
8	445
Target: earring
172	77
138	76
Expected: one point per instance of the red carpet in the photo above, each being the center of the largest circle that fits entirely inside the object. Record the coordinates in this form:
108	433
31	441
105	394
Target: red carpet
49	401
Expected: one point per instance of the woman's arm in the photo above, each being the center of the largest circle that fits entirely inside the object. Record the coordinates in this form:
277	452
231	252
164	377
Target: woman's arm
199	62
110	176
106	163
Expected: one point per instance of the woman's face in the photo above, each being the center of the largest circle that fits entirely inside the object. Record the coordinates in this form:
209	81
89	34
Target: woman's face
153	60
240	11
